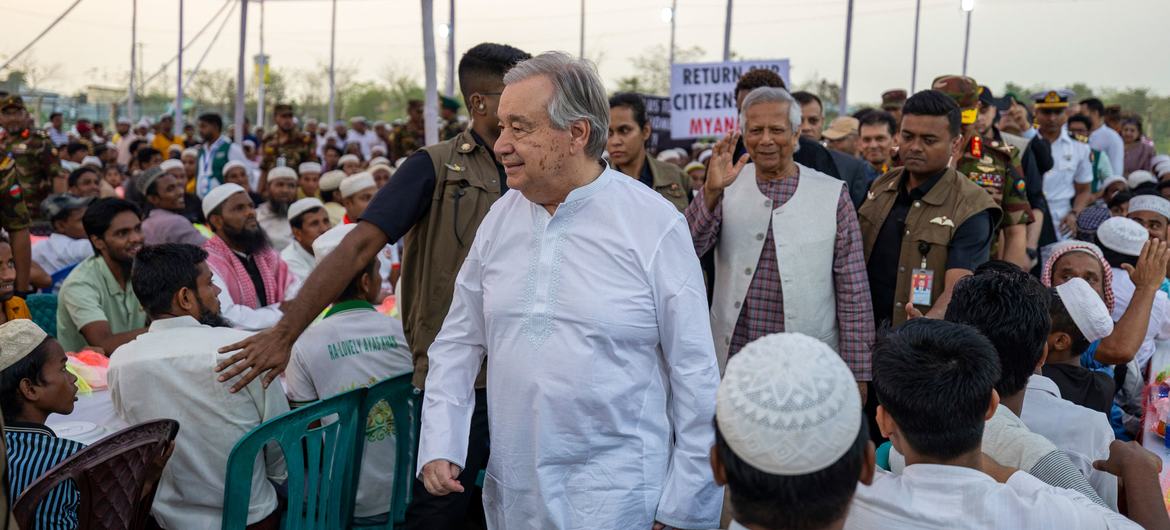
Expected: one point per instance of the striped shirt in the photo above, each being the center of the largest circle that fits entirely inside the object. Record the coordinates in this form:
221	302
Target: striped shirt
33	449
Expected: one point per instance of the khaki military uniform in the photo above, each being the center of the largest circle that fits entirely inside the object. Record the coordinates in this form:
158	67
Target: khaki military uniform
671	183
287	150
28	166
405	139
993	166
451	130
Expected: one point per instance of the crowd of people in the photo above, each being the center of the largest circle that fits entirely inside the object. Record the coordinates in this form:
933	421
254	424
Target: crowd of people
943	312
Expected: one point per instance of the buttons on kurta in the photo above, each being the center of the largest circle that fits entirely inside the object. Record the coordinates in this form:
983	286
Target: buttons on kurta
760	237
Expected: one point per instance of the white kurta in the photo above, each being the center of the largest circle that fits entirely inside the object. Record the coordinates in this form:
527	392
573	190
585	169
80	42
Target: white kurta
601	367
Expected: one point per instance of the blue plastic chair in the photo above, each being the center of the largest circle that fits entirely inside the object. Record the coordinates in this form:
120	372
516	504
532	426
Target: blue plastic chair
43	309
320	459
406	405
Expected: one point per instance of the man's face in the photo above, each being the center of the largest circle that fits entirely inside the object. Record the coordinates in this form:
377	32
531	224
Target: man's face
237	176
1079	265
87	185
768	135
311	127
626	141
1155	224
350	167
282	190
13	118
359	126
57	389
284	121
310	183
1119	210
1077	129
1050	121
207	294
155	161
340	130
71	226
208	131
313	224
123	128
812	120
381	177
925	143
846	144
356	204
166	125
1084	109
876	143
416	113
532	152
190	163
168	194
698	178
331	157
237	214
7	272
114	176
122	240
985	119
57	121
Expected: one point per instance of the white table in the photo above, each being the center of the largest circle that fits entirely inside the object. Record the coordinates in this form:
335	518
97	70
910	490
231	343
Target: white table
95	408
1151	441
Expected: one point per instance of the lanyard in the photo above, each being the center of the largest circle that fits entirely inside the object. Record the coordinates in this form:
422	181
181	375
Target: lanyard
207	162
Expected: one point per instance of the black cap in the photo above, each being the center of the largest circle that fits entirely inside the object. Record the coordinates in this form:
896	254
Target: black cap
987	97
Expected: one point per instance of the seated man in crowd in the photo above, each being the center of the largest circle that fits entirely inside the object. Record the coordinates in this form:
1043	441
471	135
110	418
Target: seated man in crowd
67	245
273	214
935	383
96	306
33	385
84	182
807	473
308	180
178	168
167	199
349	164
330	187
1079	318
238	173
12	307
356	192
252	277
168	372
354	345
308	220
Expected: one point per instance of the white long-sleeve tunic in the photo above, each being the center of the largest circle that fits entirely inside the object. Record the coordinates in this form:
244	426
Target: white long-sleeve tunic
601	372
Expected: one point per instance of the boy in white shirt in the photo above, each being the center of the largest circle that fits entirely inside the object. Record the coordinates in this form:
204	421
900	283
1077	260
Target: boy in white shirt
354	345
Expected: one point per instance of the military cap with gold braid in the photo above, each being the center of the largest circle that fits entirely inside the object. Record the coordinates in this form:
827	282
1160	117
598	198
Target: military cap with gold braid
10	100
1052	99
965	92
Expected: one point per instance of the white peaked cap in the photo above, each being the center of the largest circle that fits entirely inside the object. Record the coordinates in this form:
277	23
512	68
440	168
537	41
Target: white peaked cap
327	242
788	405
1086	308
218	194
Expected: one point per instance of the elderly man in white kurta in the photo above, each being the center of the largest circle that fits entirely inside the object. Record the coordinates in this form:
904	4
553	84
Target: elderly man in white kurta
583	291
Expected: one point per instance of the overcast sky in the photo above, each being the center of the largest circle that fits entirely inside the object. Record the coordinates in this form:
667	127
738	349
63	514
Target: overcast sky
1114	43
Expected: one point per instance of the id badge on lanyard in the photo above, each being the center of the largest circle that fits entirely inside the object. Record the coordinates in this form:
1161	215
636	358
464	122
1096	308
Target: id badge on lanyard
922	280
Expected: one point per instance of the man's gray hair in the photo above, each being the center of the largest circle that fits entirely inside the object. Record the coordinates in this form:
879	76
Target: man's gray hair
578	94
767	94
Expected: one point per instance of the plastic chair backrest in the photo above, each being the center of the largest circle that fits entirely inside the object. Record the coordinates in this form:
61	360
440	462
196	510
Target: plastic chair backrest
406	404
116	478
319	456
43	309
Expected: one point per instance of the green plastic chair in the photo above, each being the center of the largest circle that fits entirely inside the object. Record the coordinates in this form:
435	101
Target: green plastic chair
43	309
319	458
406	404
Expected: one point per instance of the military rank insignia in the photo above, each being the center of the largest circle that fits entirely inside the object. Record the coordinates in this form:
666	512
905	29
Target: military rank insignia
16	192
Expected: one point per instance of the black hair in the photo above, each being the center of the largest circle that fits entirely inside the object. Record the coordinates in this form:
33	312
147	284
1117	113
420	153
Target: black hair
1081	119
935	378
997	265
1117	259
1062	322
632	101
76	174
757	78
212	119
351	290
878	117
136	146
54	114
75	147
935	103
1010	308
805	97
484	65
798	502
144	155
160	271
1120	198
101	213
31	367
298	222
334	148
1135	121
1095	105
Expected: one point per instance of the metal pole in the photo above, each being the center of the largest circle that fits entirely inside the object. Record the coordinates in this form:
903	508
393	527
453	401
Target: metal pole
673	18
431	107
842	98
914	60
240	129
263	71
581	53
332	48
179	80
451	51
727	34
966	43
133	58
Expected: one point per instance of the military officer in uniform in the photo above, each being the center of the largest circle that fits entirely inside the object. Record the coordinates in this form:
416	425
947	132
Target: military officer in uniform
892	101
24	154
994	166
408	137
449	111
286	146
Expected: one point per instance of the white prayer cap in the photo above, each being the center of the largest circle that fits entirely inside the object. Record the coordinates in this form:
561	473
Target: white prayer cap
378	149
124	121
379	160
1150	203
302	206
331	180
1121	235
1162	168
282	172
1139	177
249	143
18	338
332	134
309	167
1086	309
190	151
668	155
218	195
357	182
788	405
232	164
357	119
92	161
327	242
375	167
1158	159
144	122
1110	180
170	164
348	158
705	155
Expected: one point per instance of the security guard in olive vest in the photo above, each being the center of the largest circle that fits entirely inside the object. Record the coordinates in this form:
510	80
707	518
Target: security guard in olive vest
993	166
23	156
287	145
436	201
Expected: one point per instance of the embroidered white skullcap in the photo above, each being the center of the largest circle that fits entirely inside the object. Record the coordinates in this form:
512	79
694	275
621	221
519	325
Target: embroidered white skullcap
378	149
218	194
705	155
18	338
1112	179
331	180
170	164
357	182
1139	177
348	158
1158	159
1121	235
379	160
282	172
124	121
1086	308
1162	168
376	167
669	154
788	405
144	122
302	206
1150	203
309	167
232	164
357	119
190	151
327	242
91	161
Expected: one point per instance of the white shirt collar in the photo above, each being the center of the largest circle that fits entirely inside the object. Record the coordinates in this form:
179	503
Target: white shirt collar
185	321
1039	383
588	190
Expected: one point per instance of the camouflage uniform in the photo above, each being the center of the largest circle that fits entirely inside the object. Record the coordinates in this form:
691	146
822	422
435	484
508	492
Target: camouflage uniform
451	130
406	139
289	149
28	165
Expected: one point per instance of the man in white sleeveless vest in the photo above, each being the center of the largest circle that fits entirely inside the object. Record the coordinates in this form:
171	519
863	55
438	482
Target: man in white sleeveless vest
788	249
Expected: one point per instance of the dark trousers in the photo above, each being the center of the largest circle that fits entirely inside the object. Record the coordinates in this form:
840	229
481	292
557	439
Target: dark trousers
456	511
